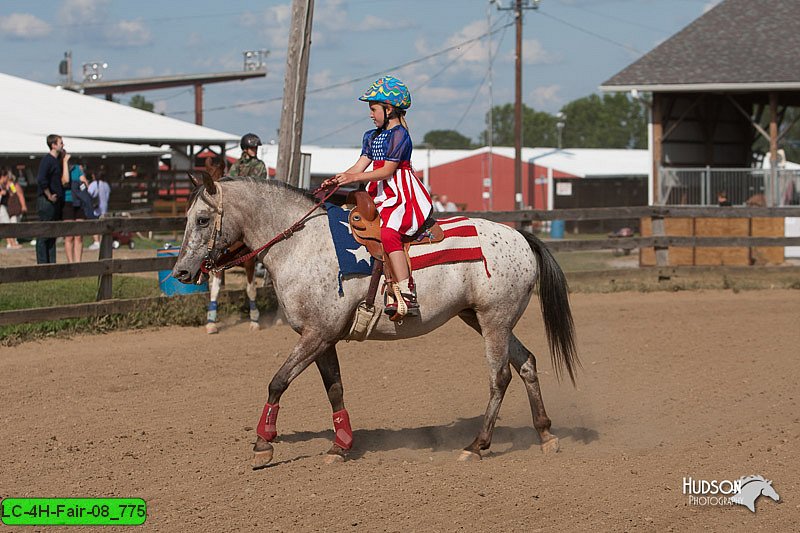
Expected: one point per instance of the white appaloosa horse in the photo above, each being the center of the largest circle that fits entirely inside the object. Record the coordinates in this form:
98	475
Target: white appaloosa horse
303	267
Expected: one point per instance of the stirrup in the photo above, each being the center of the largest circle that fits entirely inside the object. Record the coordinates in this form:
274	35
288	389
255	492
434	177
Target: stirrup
396	310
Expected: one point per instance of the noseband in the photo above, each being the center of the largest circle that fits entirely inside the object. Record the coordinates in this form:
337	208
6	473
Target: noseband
213	256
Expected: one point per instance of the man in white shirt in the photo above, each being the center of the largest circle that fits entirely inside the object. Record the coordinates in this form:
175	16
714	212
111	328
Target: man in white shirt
100	189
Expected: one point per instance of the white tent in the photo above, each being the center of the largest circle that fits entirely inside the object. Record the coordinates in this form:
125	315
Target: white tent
14	143
39	109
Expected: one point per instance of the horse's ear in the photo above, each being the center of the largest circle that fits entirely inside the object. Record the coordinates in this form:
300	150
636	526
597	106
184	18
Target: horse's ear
211	187
215	169
194	180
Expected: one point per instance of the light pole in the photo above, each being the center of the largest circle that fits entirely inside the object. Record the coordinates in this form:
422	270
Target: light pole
518	6
562	121
93	71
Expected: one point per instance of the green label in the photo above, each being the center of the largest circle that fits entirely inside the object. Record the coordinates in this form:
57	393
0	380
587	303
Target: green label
73	511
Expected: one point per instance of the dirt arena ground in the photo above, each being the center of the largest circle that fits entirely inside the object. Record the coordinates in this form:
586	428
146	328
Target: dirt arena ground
700	384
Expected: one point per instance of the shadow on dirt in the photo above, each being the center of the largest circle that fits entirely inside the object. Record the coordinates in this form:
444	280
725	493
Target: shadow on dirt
453	436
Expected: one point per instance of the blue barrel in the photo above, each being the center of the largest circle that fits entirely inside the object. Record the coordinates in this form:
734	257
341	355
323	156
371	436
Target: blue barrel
171	286
557	229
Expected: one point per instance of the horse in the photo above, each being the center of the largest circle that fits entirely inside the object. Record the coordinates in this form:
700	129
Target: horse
303	266
751	488
215	167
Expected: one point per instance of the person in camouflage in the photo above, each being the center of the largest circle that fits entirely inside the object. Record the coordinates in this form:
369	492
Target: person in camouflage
249	165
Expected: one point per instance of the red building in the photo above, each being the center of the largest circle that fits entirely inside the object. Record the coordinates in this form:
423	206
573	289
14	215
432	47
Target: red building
465	180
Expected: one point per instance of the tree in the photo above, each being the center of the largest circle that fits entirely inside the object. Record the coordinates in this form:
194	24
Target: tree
538	127
613	121
139	102
447	139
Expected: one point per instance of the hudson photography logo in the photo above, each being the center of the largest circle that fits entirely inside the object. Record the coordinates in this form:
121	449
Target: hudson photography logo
743	491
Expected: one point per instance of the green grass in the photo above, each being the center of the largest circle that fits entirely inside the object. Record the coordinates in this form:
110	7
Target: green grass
70	291
187	311
589	260
158	241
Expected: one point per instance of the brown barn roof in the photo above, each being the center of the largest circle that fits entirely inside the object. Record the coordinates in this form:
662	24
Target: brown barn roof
739	44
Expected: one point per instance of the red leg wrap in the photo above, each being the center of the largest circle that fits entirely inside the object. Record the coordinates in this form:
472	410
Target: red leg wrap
266	425
344	433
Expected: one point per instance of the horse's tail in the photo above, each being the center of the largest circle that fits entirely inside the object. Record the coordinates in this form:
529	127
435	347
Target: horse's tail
554	302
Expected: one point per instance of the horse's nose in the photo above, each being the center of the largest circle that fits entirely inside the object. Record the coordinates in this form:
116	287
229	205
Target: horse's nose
182	275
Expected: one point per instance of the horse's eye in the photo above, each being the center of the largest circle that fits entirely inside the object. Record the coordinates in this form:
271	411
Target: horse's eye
202	221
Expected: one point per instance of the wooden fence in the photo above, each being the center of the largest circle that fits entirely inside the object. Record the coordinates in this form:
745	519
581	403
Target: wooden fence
106	266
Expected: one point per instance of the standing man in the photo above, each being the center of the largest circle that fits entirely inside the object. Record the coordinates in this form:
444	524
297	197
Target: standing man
50	196
249	165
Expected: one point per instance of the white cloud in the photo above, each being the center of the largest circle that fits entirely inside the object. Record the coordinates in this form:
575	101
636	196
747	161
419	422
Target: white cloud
546	96
474	52
332	15
160	106
710	5
229	62
439	94
195	40
23	26
271	24
533	53
325	78
83	11
127	33
373	23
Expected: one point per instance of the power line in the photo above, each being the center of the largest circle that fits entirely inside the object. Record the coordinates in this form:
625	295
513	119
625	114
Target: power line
354	80
485	77
441	71
619	19
589	32
346	126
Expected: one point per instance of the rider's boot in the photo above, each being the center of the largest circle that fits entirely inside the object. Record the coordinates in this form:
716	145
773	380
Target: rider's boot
403	295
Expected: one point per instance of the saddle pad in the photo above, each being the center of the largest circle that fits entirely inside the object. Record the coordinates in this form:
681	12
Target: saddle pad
461	243
353	258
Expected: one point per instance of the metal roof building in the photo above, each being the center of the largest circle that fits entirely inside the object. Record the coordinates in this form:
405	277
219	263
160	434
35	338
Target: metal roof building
39	109
719	86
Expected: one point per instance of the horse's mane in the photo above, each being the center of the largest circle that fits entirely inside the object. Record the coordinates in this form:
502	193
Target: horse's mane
276	183
270	182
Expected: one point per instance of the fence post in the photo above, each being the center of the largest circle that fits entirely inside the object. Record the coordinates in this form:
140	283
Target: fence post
104	287
659	230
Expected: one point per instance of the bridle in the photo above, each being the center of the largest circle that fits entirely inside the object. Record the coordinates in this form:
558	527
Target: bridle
212	257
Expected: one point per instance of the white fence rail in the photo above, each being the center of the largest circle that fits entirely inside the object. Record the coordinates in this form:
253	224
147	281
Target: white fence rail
702	185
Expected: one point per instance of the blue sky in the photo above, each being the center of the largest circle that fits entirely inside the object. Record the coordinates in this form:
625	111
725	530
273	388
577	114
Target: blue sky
570	48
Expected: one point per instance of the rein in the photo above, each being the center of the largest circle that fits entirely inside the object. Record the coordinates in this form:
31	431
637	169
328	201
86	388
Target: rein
209	264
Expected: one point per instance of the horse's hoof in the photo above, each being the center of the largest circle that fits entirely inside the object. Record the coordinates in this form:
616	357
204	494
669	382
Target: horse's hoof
262	459
254	326
333	458
550	446
211	328
468	456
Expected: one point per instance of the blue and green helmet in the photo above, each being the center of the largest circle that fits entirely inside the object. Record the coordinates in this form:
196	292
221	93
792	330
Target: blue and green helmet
388	90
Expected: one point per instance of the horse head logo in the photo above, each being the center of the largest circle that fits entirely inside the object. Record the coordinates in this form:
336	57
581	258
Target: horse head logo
751	488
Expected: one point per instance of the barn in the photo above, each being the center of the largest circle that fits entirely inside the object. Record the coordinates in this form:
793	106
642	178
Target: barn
723	93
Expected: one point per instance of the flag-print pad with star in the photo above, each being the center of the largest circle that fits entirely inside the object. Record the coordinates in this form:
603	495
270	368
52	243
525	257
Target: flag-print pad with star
461	243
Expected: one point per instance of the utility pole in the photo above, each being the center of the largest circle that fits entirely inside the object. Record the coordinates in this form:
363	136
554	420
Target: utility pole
518	7
294	92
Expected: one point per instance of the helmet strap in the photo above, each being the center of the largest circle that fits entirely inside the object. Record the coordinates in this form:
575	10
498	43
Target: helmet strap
385	118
